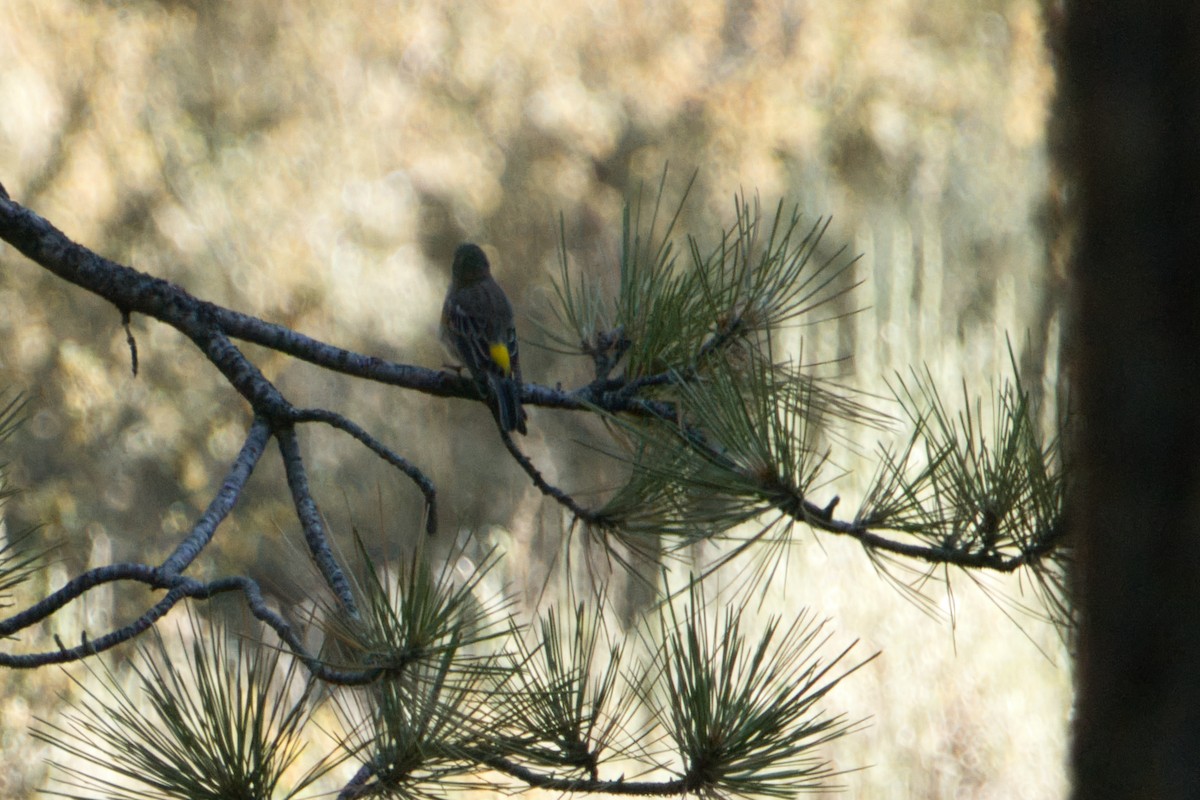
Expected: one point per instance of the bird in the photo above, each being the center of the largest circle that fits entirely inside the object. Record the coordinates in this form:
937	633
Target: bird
477	329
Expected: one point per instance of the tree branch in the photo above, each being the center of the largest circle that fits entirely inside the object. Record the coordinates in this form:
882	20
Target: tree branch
311	521
211	328
222	504
418	477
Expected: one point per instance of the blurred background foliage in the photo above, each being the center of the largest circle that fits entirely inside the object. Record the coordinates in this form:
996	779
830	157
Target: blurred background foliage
315	164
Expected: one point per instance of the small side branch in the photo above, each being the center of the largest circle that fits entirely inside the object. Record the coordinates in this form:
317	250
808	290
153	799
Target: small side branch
179	587
264	613
424	484
74	588
545	487
362	785
619	786
820	519
310	519
222	504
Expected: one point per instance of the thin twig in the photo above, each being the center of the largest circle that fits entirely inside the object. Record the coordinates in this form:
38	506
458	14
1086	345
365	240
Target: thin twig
545	487
133	353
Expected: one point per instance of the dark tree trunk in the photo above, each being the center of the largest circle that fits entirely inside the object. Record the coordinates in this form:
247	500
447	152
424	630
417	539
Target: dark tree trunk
1131	83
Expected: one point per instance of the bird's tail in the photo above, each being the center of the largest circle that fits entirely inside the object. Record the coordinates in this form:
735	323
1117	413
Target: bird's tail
510	415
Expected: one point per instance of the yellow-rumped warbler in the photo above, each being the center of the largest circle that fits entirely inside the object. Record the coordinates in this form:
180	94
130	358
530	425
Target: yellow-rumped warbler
477	328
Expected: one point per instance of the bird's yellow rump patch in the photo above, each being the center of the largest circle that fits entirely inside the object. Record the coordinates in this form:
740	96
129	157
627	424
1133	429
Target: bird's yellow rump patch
499	352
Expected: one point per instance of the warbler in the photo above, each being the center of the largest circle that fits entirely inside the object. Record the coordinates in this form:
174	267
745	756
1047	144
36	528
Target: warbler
477	329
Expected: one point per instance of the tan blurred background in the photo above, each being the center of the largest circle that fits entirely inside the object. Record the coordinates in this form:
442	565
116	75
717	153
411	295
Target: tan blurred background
315	163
